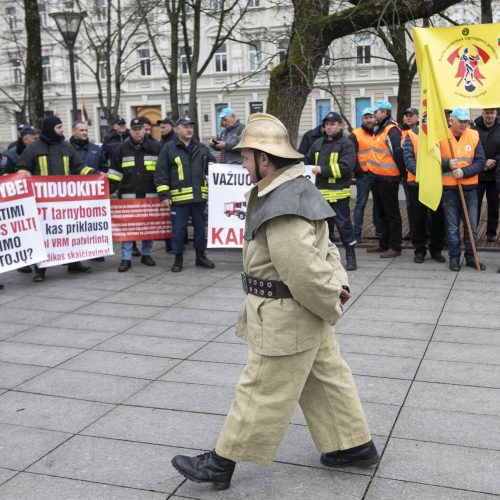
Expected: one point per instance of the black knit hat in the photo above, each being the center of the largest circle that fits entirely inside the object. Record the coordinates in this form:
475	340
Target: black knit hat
48	127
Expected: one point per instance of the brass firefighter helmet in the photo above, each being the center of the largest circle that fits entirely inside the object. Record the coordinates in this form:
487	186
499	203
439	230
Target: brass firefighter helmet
266	133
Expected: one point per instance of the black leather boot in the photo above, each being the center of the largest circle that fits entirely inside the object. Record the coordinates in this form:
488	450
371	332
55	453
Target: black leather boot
206	468
202	261
78	267
361	456
350	257
177	266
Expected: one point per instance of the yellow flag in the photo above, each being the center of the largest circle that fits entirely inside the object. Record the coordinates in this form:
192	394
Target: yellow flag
432	129
466	59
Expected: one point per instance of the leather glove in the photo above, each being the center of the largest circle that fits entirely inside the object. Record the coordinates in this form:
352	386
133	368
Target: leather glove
458	173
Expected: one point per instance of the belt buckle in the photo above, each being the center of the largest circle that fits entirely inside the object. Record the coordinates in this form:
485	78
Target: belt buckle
244	282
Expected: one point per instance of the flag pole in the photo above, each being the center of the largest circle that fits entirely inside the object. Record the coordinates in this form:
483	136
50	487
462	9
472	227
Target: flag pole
453	155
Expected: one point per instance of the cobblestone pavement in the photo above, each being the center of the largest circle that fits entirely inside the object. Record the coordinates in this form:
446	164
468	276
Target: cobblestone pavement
104	377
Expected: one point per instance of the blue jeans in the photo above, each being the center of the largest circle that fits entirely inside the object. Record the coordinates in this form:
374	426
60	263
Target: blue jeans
363	186
147	246
180	216
453	214
342	220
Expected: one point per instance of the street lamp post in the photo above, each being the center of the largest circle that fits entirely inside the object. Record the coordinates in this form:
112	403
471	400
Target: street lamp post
68	24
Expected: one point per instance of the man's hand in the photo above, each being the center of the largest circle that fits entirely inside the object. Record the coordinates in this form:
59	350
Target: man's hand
453	164
490	164
316	170
166	203
458	173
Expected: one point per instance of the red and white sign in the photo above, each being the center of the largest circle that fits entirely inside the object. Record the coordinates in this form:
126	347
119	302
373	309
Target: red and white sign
21	239
140	219
75	215
227	206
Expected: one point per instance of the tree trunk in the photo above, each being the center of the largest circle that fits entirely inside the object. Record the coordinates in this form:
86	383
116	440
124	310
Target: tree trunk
486	12
34	71
313	32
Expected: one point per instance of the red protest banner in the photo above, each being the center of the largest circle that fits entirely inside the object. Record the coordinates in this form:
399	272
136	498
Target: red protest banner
140	219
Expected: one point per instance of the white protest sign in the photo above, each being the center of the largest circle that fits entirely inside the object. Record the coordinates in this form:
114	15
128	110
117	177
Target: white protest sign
21	239
75	215
227	207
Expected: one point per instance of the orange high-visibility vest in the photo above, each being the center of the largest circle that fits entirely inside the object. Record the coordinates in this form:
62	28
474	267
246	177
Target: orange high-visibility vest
465	149
365	141
380	160
414	140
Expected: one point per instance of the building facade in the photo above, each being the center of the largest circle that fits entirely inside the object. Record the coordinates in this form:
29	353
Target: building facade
355	73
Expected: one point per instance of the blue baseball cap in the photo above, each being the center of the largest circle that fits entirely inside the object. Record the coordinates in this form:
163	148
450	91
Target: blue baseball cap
226	111
367	111
460	113
381	104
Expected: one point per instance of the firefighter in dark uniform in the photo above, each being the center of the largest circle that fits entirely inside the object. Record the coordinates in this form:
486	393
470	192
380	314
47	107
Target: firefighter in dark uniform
132	171
334	157
52	155
181	182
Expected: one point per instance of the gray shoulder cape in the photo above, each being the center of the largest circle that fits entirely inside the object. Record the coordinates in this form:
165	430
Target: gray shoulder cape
298	196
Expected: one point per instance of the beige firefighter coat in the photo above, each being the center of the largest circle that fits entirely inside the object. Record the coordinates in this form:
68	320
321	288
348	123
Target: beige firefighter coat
297	252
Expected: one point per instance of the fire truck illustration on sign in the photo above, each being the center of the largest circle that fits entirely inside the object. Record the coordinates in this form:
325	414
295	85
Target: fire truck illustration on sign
237	208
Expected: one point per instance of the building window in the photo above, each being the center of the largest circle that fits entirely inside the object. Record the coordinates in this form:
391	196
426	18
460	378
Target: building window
144	62
282	50
363	42
68	6
183	61
17	70
221	59
100	10
253	3
42	10
11	15
219	127
363	53
46	69
216	5
323	107
361	104
77	68
102	66
327	59
254	56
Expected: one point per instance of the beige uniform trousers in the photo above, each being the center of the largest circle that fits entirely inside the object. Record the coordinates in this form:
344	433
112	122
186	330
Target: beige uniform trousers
267	394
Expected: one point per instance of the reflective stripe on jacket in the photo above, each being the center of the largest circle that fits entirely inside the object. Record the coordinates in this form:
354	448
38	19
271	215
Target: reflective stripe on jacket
380	159
465	149
365	141
414	140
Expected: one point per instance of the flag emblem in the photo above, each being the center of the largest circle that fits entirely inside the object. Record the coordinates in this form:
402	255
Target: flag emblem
468	71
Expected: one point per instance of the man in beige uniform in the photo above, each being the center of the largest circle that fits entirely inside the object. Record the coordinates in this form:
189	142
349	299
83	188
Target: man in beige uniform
296	286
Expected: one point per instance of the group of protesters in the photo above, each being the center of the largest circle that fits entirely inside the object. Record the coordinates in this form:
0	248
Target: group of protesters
380	155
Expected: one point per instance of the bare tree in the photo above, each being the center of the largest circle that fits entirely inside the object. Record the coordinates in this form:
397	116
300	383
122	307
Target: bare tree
314	29
110	41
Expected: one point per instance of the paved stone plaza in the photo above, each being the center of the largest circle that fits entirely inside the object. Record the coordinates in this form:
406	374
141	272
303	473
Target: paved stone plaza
104	377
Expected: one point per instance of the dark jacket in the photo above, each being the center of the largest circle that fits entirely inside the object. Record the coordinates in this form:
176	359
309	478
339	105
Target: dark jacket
133	168
181	172
336	157
309	138
490	140
231	136
12	156
111	142
49	157
165	139
89	153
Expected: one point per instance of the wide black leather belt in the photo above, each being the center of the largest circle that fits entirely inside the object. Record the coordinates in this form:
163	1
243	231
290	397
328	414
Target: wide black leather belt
270	289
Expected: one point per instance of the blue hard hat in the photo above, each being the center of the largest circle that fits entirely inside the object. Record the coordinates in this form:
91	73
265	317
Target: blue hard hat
226	111
381	104
367	111
460	113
